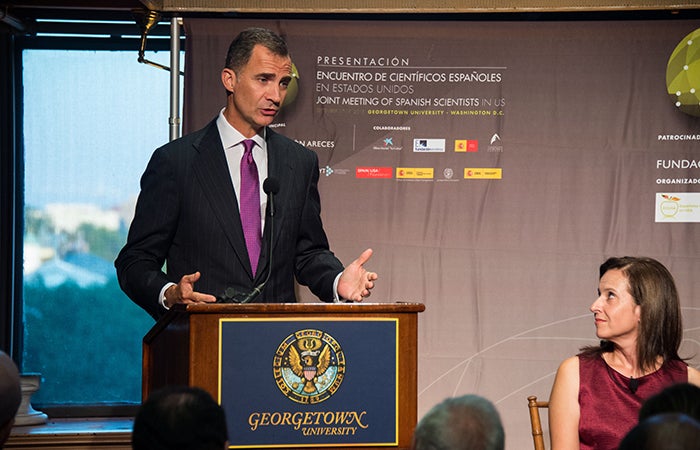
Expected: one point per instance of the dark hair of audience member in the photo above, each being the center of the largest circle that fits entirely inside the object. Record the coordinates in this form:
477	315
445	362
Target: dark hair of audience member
10	395
467	422
667	431
679	398
179	418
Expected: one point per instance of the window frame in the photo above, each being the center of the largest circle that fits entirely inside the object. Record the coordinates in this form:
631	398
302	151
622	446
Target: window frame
118	34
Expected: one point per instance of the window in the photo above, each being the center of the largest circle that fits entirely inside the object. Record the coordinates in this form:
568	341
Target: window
91	121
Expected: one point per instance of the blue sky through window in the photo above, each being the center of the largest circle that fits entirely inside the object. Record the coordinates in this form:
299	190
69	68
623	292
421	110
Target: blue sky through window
92	120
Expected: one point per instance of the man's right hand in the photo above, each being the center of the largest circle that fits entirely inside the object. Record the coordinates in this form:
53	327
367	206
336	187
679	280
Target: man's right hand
183	292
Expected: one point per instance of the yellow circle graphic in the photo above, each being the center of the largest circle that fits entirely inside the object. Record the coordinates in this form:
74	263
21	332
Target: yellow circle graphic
293	88
683	75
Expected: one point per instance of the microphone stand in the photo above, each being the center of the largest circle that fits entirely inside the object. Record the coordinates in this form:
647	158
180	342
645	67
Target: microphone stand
258	289
230	295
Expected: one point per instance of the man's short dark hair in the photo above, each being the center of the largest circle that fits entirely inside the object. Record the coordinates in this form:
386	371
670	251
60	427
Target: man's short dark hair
466	422
241	47
180	418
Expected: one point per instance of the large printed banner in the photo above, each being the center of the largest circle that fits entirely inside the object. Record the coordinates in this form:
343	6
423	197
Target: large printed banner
492	166
309	382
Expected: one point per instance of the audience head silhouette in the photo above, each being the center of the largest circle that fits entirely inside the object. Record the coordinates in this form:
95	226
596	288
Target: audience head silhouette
681	398
10	395
179	418
469	422
667	431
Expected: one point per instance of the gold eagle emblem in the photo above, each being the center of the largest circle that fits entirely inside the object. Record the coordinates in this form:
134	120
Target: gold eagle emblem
311	363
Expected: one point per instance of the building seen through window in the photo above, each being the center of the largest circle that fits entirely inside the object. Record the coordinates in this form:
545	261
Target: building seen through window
91	121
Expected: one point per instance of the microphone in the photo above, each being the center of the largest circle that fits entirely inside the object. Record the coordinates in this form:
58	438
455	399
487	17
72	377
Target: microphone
634	384
271	186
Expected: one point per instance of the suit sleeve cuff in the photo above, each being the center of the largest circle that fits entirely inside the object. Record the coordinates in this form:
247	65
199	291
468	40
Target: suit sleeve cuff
161	298
336	296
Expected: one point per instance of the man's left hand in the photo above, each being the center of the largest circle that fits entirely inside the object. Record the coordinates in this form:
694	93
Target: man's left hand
356	282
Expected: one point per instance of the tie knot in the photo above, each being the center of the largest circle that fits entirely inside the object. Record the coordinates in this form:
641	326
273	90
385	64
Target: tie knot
248	145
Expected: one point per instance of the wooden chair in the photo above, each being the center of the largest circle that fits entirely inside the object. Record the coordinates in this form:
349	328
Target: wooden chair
534	406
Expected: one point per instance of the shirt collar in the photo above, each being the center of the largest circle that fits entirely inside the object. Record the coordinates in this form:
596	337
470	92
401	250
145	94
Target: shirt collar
231	137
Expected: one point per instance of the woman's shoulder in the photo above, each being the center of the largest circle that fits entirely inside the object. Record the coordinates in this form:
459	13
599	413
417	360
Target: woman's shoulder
675	371
693	376
590	357
582	361
676	365
569	365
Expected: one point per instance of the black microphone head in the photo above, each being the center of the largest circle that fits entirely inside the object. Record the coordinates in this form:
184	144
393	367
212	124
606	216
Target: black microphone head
271	185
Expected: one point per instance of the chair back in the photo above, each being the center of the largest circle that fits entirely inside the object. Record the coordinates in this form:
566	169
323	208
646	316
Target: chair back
535	423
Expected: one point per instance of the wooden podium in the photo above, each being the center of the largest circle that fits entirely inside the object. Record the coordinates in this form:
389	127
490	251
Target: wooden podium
363	357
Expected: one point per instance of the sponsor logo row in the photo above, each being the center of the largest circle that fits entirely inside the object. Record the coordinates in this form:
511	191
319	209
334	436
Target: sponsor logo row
421	145
426	173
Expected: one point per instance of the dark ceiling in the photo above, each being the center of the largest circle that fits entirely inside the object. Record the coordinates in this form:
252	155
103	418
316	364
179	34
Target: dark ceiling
71	9
21	16
120	20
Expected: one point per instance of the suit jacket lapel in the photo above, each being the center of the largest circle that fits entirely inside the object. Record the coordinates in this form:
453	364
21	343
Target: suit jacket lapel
211	170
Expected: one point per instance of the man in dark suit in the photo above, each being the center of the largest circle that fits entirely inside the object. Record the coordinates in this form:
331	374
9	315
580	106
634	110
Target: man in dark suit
187	215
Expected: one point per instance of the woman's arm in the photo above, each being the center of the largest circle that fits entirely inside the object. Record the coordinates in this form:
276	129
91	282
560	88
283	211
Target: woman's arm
564	410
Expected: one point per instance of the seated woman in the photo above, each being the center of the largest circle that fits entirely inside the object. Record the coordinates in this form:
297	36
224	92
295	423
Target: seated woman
597	394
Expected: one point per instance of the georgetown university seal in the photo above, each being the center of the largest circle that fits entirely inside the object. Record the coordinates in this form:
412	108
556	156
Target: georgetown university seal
309	366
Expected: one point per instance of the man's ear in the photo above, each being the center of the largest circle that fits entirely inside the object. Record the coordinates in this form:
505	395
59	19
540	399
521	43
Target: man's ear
228	79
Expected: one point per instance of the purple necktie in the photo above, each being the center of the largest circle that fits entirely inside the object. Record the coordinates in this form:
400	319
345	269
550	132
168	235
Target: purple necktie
250	204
